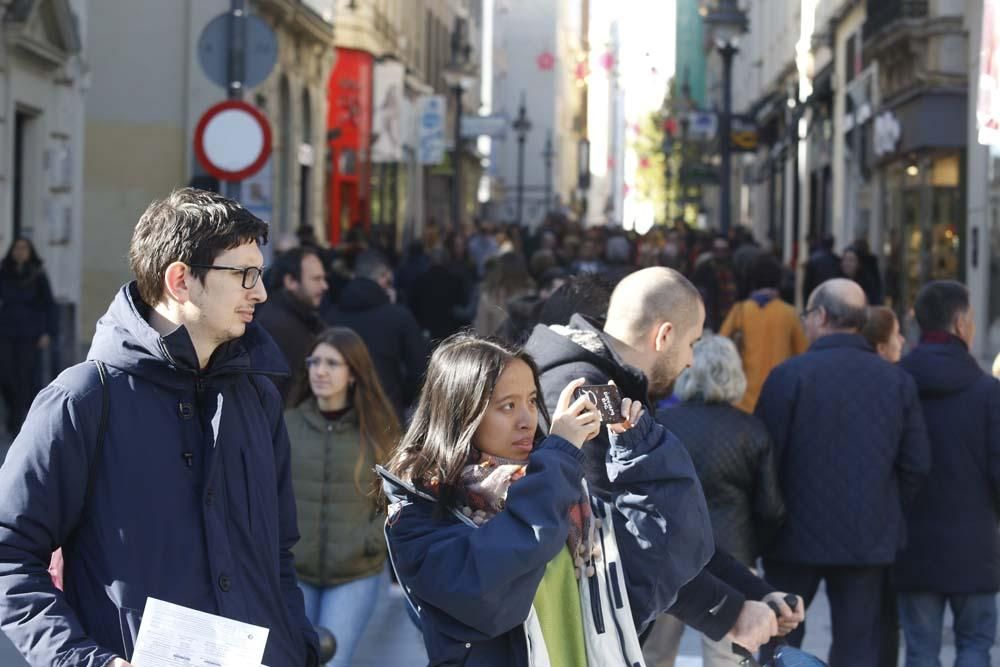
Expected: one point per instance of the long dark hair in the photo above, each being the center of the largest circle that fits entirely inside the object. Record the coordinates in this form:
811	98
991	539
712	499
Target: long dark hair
377	421
8	265
461	377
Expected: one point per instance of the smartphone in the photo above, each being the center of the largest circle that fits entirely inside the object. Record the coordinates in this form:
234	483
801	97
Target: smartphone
607	399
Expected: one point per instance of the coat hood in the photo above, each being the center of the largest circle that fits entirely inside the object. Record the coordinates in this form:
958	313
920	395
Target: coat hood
362	294
942	368
125	340
396	490
582	341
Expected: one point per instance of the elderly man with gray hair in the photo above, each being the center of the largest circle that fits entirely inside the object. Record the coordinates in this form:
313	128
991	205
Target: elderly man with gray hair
852	451
733	457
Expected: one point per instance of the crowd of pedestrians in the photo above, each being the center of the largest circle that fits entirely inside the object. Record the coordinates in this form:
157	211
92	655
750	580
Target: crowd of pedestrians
232	418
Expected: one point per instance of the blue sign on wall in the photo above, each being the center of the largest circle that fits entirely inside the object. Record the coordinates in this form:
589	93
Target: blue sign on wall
430	147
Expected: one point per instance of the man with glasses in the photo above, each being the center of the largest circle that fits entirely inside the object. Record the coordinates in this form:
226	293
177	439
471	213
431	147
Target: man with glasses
161	465
852	451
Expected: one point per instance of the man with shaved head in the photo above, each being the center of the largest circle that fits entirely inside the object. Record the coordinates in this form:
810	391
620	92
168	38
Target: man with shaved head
654	318
852	452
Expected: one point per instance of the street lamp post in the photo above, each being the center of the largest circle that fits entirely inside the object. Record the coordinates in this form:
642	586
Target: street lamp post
521	126
458	79
726	21
547	155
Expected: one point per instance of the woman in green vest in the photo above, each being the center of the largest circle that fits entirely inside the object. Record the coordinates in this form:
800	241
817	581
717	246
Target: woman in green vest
342	425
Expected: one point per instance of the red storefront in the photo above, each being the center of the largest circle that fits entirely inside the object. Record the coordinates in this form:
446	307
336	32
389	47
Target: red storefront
348	126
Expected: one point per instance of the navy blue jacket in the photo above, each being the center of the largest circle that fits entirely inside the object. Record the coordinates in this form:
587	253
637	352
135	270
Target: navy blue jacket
190	501
475	586
26	306
711	601
851	448
954	544
394	339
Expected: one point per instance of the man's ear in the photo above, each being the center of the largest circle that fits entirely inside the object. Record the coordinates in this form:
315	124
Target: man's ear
289	282
959	324
177	282
664	336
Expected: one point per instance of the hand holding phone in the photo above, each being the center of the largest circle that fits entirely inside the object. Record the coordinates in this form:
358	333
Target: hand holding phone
606	397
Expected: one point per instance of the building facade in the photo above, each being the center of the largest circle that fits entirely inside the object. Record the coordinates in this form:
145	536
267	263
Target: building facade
43	82
861	109
540	55
391	55
144	103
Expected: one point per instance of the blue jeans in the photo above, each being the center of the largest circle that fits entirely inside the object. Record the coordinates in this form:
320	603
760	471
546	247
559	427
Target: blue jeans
922	615
344	610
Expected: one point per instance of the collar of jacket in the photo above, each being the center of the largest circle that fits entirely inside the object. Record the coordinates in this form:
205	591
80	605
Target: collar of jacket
584	340
942	368
283	300
841	340
311	413
125	340
942	338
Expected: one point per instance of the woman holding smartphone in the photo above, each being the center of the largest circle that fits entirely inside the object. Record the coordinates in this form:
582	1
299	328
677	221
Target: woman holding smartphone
503	553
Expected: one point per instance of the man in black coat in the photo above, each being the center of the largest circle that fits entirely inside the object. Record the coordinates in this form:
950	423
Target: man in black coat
291	315
823	265
952	556
654	318
394	339
852	451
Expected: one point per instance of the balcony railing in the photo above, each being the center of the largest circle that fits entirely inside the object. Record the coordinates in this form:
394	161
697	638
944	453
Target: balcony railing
882	13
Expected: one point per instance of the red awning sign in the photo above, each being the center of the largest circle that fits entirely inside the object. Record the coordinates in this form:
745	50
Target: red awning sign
232	140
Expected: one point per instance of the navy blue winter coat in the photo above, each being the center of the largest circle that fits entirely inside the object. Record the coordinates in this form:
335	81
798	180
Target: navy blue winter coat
954	544
190	502
851	448
475	586
26	306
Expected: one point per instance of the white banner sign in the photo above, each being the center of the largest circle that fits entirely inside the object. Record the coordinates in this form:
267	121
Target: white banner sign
387	111
988	107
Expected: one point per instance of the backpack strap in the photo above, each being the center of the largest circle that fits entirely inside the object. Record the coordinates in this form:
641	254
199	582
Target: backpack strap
102	427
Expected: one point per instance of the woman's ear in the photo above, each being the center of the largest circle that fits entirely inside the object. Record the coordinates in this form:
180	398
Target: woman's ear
176	282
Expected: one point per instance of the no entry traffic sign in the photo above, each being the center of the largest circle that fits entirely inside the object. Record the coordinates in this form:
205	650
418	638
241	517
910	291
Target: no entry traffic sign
232	140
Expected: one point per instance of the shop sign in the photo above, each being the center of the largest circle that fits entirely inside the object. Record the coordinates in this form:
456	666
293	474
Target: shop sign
743	134
887	133
430	129
703	125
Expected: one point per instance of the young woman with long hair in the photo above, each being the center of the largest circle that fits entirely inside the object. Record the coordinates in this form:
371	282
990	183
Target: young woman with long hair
501	550
342	425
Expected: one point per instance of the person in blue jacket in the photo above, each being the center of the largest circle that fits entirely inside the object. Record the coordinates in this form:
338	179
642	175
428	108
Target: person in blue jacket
505	556
952	554
184	492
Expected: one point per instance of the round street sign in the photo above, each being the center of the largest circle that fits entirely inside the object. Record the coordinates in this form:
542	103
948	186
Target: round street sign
232	140
259	56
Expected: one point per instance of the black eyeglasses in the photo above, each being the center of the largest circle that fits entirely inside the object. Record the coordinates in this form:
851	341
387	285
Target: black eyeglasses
808	311
251	274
